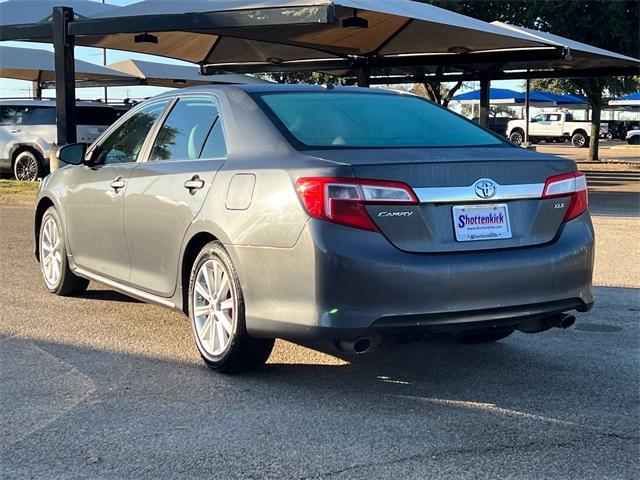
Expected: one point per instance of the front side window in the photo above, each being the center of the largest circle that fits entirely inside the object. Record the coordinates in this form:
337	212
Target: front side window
369	120
185	130
123	145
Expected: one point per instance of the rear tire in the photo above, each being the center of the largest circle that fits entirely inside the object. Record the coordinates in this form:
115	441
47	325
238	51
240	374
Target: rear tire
485	335
635	140
27	166
580	140
54	265
216	312
517	137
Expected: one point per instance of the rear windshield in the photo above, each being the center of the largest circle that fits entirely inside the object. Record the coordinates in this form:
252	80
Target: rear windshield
370	120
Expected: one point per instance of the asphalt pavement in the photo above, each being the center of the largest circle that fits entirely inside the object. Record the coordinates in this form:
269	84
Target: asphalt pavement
104	387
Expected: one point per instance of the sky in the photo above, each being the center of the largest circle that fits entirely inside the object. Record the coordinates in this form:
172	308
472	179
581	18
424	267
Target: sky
17	88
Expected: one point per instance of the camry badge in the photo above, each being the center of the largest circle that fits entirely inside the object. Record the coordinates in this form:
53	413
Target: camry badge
485	188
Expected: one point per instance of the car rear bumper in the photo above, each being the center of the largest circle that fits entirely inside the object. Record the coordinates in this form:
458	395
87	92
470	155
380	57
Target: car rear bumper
340	282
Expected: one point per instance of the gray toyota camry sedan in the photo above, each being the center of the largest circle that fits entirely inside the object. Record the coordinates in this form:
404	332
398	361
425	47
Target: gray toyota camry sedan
318	214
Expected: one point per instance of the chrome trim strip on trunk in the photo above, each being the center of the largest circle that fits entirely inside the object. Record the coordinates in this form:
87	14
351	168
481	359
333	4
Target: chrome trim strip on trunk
468	194
127	290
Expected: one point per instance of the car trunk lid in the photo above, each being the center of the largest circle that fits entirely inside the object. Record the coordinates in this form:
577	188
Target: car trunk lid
469	198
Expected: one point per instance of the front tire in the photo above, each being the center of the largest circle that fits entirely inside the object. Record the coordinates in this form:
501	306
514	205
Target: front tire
26	166
216	312
485	335
54	265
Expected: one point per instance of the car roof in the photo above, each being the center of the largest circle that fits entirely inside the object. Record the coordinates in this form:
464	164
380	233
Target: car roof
277	87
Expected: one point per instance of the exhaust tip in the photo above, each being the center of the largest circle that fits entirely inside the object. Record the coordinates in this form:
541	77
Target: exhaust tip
358	345
362	345
567	321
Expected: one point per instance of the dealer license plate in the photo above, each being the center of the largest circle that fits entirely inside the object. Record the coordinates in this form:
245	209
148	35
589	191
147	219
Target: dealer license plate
481	222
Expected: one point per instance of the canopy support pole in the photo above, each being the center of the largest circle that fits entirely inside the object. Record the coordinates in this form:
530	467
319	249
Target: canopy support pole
364	76
36	87
65	75
527	116
485	84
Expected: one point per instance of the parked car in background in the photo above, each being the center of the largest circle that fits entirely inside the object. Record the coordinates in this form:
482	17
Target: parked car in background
317	213
633	137
28	130
553	127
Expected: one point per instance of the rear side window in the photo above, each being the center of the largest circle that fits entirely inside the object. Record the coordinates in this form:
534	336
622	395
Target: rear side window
96	116
370	120
215	146
10	114
39	116
185	130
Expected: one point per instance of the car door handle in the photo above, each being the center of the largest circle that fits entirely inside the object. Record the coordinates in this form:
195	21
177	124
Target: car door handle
15	131
117	184
195	183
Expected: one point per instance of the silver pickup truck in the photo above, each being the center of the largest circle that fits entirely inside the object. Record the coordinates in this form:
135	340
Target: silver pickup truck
28	130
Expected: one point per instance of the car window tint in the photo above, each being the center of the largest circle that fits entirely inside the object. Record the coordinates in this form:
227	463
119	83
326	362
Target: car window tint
372	120
39	116
123	145
95	115
9	114
215	146
184	131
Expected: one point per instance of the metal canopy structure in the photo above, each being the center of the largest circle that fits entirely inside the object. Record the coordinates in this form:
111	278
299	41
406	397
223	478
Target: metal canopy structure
26	12
37	66
175	76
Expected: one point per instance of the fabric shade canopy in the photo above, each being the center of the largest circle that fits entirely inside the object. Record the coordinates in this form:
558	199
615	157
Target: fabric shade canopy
343	29
36	65
579	55
632	100
537	98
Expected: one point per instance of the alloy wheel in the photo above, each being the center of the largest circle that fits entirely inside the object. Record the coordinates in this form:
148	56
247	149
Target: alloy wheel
214	306
516	138
26	168
579	141
51	253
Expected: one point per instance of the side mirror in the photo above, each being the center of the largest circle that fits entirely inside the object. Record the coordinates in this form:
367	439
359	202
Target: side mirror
73	153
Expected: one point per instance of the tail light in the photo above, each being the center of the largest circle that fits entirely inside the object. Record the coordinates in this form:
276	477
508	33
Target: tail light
572	184
343	200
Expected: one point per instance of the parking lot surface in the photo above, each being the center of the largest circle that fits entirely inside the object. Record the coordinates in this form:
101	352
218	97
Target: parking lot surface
104	387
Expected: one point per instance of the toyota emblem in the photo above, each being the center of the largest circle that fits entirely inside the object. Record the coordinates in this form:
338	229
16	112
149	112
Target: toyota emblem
485	188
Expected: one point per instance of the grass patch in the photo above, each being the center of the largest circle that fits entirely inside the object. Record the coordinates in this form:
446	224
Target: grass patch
16	192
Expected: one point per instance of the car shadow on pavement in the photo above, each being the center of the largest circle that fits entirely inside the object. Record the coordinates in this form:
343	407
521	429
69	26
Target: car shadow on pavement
107	295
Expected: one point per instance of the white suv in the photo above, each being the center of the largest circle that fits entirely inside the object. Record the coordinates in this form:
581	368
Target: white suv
28	129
